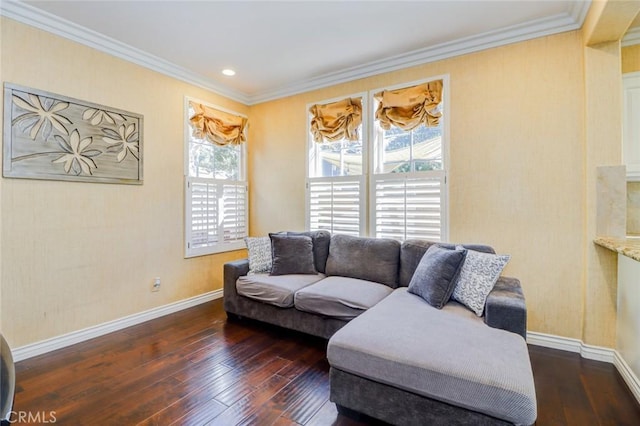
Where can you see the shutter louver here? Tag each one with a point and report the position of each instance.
(335, 205)
(408, 207)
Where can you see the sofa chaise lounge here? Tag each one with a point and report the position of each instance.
(393, 356)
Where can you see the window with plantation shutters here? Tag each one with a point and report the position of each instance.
(216, 198)
(380, 172)
(408, 181)
(336, 190)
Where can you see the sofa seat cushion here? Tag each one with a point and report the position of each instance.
(449, 355)
(275, 290)
(340, 297)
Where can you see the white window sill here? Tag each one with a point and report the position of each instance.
(218, 248)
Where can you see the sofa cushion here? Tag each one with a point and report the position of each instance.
(449, 355)
(436, 274)
(259, 254)
(292, 255)
(274, 290)
(477, 277)
(412, 251)
(340, 297)
(371, 259)
(321, 240)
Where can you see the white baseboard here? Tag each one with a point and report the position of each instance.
(596, 353)
(568, 344)
(58, 342)
(627, 374)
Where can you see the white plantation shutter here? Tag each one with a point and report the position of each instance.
(203, 217)
(234, 219)
(408, 205)
(336, 204)
(216, 214)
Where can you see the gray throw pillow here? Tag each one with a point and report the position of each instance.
(292, 254)
(259, 254)
(412, 251)
(478, 275)
(434, 278)
(321, 240)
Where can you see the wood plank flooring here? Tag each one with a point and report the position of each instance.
(195, 368)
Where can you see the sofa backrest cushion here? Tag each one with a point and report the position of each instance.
(412, 251)
(321, 240)
(372, 259)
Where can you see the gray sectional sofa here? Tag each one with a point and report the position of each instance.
(393, 356)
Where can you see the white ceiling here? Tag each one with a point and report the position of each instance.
(280, 48)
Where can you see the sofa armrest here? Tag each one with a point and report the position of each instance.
(233, 271)
(505, 307)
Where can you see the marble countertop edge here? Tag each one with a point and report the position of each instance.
(629, 247)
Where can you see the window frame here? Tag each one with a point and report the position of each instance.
(312, 155)
(220, 247)
(372, 176)
(369, 176)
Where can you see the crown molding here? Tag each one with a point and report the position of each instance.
(632, 37)
(513, 34)
(38, 18)
(537, 28)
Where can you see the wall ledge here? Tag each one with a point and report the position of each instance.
(62, 341)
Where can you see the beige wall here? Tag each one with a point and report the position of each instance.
(631, 59)
(523, 153)
(604, 27)
(82, 254)
(631, 63)
(603, 148)
(517, 164)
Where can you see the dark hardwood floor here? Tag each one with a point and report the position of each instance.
(195, 368)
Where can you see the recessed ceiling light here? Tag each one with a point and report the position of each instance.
(228, 72)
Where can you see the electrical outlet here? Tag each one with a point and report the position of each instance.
(156, 284)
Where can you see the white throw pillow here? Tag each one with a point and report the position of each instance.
(478, 275)
(259, 254)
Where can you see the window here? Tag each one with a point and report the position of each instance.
(336, 184)
(406, 179)
(215, 181)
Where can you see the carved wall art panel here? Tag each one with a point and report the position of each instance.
(49, 136)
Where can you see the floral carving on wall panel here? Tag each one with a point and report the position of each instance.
(49, 136)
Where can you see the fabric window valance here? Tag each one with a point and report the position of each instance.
(410, 107)
(337, 120)
(218, 127)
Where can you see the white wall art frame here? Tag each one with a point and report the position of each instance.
(54, 137)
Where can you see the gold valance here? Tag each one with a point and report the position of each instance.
(218, 127)
(336, 121)
(410, 107)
